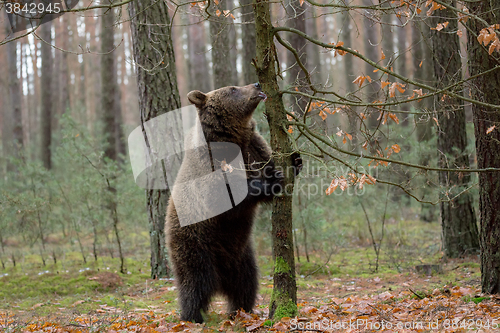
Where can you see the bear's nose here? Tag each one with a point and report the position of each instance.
(257, 85)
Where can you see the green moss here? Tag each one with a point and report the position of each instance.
(268, 323)
(281, 266)
(285, 307)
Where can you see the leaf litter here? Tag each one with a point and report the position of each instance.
(405, 302)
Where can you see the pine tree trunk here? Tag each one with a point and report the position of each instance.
(47, 105)
(372, 52)
(458, 220)
(284, 296)
(158, 93)
(6, 113)
(295, 75)
(422, 72)
(486, 88)
(248, 41)
(64, 92)
(221, 50)
(349, 76)
(109, 111)
(199, 78)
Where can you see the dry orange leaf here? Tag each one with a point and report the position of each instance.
(333, 186)
(322, 115)
(359, 80)
(393, 117)
(490, 129)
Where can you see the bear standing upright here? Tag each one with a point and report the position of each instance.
(216, 254)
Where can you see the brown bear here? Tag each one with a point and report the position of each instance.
(216, 254)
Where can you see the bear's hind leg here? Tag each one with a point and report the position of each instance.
(195, 292)
(242, 286)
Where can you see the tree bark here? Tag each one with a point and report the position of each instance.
(284, 296)
(64, 77)
(486, 88)
(198, 64)
(349, 76)
(422, 72)
(370, 40)
(158, 93)
(221, 50)
(109, 86)
(458, 220)
(248, 41)
(295, 77)
(47, 103)
(110, 112)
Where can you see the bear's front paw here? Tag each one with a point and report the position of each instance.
(297, 162)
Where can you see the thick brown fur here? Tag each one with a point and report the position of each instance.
(216, 255)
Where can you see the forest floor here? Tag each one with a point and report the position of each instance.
(100, 300)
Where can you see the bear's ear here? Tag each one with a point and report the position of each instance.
(197, 97)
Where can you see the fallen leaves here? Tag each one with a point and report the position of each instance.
(368, 306)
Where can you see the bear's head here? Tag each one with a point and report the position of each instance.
(231, 105)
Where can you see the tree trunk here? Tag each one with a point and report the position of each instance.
(109, 86)
(110, 109)
(295, 75)
(248, 41)
(64, 83)
(349, 76)
(221, 50)
(284, 296)
(423, 123)
(47, 105)
(372, 52)
(486, 89)
(458, 220)
(6, 113)
(401, 66)
(91, 68)
(158, 93)
(198, 64)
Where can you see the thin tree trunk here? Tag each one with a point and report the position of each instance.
(47, 103)
(372, 52)
(296, 76)
(424, 123)
(486, 88)
(221, 50)
(284, 296)
(458, 220)
(16, 125)
(158, 93)
(111, 111)
(91, 69)
(198, 66)
(5, 114)
(248, 38)
(345, 36)
(64, 87)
